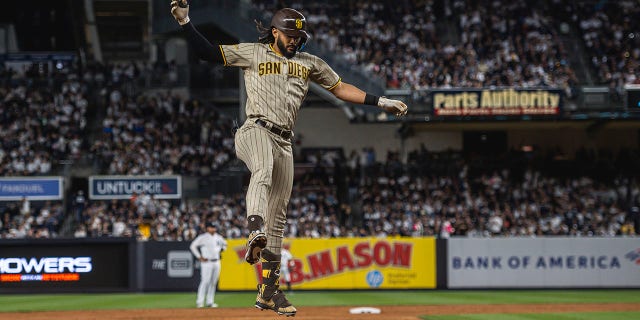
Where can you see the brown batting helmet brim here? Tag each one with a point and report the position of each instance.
(295, 33)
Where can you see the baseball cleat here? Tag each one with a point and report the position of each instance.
(283, 307)
(256, 242)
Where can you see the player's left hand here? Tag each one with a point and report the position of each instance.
(396, 107)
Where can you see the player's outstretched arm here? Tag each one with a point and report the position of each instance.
(203, 48)
(353, 94)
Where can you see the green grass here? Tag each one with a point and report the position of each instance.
(44, 302)
(543, 316)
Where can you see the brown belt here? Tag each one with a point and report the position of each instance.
(275, 129)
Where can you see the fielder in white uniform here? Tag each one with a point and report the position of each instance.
(207, 247)
(285, 260)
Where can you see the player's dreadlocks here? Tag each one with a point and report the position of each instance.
(265, 36)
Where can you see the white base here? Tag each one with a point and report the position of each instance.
(361, 310)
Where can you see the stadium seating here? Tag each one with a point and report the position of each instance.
(43, 121)
(163, 134)
(612, 40)
(494, 43)
(452, 200)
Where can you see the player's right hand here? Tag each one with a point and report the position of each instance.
(180, 11)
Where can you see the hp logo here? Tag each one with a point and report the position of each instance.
(374, 278)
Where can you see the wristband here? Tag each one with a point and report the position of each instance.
(184, 21)
(371, 100)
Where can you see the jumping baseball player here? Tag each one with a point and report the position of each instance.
(207, 247)
(277, 76)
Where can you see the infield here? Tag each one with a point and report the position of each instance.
(431, 305)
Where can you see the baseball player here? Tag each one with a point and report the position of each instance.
(285, 260)
(207, 247)
(277, 76)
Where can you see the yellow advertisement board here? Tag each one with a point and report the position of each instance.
(342, 263)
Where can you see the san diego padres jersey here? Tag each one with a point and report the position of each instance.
(276, 86)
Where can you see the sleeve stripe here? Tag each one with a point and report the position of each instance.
(335, 85)
(224, 59)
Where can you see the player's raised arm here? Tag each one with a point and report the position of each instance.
(203, 48)
(353, 94)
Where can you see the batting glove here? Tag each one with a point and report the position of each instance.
(180, 11)
(396, 107)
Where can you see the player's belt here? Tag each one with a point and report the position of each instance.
(212, 260)
(275, 129)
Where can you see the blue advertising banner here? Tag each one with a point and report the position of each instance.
(497, 102)
(33, 188)
(122, 187)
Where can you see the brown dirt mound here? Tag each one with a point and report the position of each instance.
(316, 313)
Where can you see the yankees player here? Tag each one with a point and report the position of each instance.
(285, 260)
(277, 76)
(207, 247)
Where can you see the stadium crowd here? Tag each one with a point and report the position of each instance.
(42, 120)
(21, 219)
(501, 43)
(43, 113)
(162, 134)
(391, 200)
(612, 38)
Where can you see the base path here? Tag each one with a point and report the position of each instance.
(316, 313)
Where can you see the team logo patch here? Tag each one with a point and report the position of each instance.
(298, 24)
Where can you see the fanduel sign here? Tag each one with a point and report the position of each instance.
(40, 188)
(122, 187)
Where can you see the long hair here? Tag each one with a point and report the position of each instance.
(265, 36)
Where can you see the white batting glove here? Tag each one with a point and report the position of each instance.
(180, 11)
(396, 107)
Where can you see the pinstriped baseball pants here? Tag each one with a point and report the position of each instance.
(269, 157)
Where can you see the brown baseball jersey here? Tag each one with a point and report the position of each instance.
(276, 87)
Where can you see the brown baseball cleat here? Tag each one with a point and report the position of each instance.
(256, 242)
(277, 303)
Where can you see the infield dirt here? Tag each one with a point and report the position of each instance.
(317, 313)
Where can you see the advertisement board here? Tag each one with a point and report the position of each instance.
(496, 102)
(123, 187)
(169, 266)
(342, 263)
(632, 97)
(543, 263)
(33, 188)
(57, 266)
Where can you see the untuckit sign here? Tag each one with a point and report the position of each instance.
(122, 187)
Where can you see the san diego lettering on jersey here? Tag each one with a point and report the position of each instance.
(275, 67)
